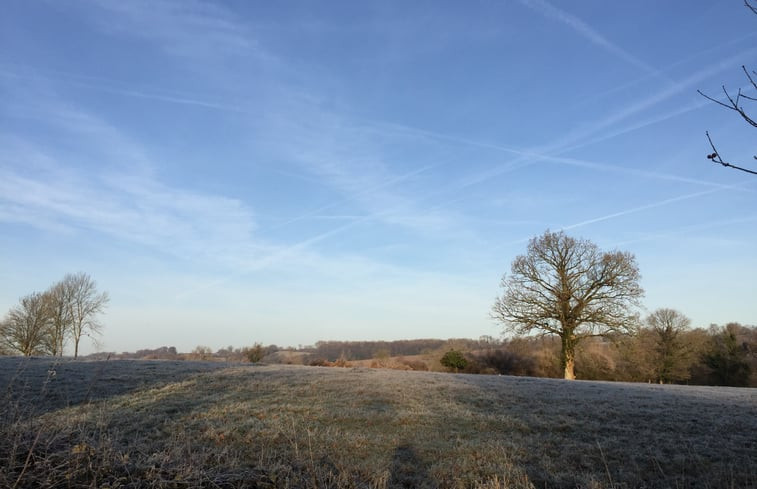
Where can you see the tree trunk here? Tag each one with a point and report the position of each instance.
(568, 355)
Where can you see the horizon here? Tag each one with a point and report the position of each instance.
(240, 173)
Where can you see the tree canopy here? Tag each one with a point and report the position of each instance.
(570, 288)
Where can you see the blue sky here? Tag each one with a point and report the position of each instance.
(288, 172)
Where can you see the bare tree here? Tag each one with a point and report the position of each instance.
(736, 104)
(26, 326)
(84, 304)
(569, 288)
(58, 299)
(670, 355)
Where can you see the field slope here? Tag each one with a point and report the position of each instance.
(186, 424)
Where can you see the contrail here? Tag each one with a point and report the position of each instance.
(586, 31)
(645, 207)
(101, 84)
(688, 229)
(579, 139)
(368, 191)
(640, 208)
(681, 61)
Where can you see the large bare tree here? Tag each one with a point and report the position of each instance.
(84, 304)
(27, 325)
(569, 288)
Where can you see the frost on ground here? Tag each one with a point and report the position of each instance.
(180, 424)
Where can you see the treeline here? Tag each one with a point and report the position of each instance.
(365, 350)
(719, 355)
(254, 353)
(664, 351)
(43, 323)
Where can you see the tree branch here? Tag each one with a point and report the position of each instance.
(750, 6)
(715, 157)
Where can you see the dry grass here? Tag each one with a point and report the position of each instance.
(177, 424)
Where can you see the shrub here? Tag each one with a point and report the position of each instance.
(255, 353)
(454, 360)
(507, 362)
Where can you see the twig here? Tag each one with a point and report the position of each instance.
(604, 461)
(734, 103)
(715, 157)
(750, 6)
(751, 80)
(28, 458)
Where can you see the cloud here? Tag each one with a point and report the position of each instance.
(592, 131)
(116, 87)
(356, 195)
(131, 208)
(642, 208)
(50, 187)
(694, 228)
(189, 28)
(356, 159)
(587, 32)
(645, 207)
(91, 177)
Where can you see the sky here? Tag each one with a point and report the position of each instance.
(289, 172)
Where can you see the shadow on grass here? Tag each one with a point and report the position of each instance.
(47, 384)
(610, 434)
(408, 471)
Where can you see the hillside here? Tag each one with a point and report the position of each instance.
(194, 424)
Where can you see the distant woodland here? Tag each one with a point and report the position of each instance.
(717, 355)
(571, 311)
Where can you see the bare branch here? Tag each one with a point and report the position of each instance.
(734, 103)
(715, 157)
(750, 6)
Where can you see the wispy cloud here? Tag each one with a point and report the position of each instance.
(645, 207)
(682, 61)
(188, 28)
(50, 185)
(601, 129)
(589, 33)
(632, 210)
(694, 228)
(123, 199)
(131, 208)
(355, 159)
(354, 194)
(116, 87)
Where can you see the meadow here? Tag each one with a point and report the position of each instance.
(181, 424)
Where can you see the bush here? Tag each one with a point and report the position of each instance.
(255, 353)
(507, 362)
(454, 360)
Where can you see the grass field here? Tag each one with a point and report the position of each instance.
(194, 424)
